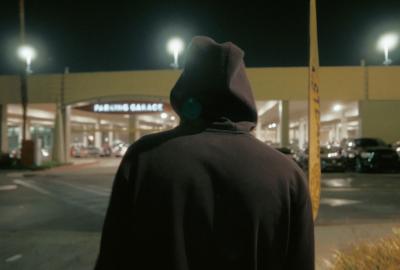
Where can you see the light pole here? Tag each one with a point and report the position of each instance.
(175, 47)
(27, 54)
(386, 43)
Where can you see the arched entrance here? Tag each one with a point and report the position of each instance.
(106, 126)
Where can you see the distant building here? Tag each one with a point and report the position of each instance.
(106, 108)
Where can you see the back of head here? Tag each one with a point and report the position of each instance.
(213, 84)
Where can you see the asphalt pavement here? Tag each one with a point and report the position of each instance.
(52, 219)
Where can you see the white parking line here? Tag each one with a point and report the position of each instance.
(97, 191)
(34, 187)
(102, 189)
(8, 187)
(31, 186)
(340, 189)
(338, 202)
(13, 258)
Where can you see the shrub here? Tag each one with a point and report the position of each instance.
(5, 161)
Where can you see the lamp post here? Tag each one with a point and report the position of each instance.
(386, 43)
(27, 54)
(175, 47)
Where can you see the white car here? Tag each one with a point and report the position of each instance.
(120, 149)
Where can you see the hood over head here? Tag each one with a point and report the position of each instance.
(213, 84)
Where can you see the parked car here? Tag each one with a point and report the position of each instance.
(370, 154)
(93, 151)
(287, 152)
(332, 159)
(78, 151)
(120, 149)
(105, 151)
(396, 147)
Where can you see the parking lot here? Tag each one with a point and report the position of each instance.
(61, 211)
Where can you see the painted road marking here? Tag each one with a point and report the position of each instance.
(340, 189)
(15, 174)
(103, 189)
(87, 189)
(338, 202)
(14, 258)
(8, 187)
(31, 186)
(34, 187)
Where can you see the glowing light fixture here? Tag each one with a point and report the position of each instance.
(27, 54)
(387, 42)
(175, 47)
(337, 107)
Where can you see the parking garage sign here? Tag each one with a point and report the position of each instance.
(132, 107)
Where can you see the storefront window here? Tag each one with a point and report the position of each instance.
(45, 134)
(14, 137)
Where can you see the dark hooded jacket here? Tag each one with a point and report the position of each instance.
(208, 195)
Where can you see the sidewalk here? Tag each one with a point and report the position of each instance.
(330, 238)
(73, 165)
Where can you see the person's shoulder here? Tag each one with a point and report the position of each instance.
(150, 141)
(279, 161)
(270, 151)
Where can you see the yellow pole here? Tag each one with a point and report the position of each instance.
(314, 162)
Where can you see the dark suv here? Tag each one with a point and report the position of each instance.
(370, 154)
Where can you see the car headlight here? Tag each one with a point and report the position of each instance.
(367, 154)
(352, 155)
(332, 155)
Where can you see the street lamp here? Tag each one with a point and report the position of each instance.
(27, 54)
(175, 47)
(386, 43)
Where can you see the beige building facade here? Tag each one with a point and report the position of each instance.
(359, 101)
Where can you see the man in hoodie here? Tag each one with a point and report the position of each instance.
(208, 195)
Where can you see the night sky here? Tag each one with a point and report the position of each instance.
(131, 35)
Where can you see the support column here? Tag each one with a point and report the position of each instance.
(284, 123)
(28, 134)
(111, 135)
(85, 135)
(302, 133)
(67, 132)
(58, 145)
(97, 135)
(332, 134)
(3, 129)
(116, 135)
(338, 130)
(343, 122)
(133, 129)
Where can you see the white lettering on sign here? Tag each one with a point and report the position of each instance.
(128, 107)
